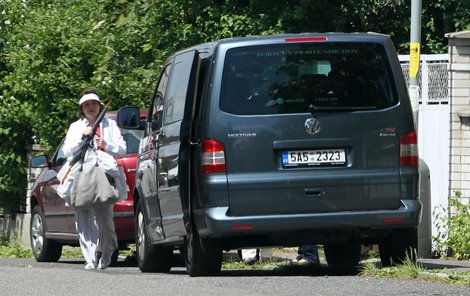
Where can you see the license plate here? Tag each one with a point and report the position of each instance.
(321, 157)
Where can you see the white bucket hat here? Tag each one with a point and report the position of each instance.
(89, 97)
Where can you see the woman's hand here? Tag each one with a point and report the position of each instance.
(101, 143)
(87, 132)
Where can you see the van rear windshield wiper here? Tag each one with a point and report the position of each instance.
(312, 107)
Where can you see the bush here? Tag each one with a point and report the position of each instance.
(453, 238)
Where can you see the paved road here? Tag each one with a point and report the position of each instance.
(68, 277)
(463, 266)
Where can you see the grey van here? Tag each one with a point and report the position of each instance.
(277, 141)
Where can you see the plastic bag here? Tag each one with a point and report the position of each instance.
(108, 163)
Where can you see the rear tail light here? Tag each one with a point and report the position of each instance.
(409, 149)
(213, 157)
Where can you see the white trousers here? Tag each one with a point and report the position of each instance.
(96, 232)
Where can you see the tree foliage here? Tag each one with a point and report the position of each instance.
(15, 134)
(51, 49)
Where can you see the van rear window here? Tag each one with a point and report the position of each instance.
(296, 78)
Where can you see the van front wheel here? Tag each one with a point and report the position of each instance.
(203, 257)
(150, 258)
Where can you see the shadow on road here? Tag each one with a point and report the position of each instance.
(315, 271)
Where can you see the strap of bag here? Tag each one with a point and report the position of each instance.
(83, 159)
(81, 163)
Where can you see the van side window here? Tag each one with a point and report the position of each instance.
(177, 91)
(157, 108)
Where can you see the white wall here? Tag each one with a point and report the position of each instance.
(433, 145)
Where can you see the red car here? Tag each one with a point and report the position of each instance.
(53, 222)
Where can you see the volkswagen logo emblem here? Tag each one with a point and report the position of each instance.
(312, 126)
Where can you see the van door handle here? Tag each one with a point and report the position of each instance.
(315, 192)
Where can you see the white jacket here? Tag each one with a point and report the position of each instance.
(115, 146)
(109, 131)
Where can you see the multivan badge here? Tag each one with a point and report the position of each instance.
(312, 126)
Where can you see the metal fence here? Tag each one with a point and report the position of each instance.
(433, 77)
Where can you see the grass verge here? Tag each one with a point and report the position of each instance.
(411, 270)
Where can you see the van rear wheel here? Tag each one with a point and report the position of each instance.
(343, 256)
(396, 248)
(150, 258)
(203, 257)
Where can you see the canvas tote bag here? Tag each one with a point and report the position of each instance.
(93, 188)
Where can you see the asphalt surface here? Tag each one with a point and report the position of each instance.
(68, 277)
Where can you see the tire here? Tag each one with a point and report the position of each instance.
(203, 257)
(343, 256)
(396, 248)
(150, 258)
(44, 249)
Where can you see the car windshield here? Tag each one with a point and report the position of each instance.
(132, 138)
(306, 77)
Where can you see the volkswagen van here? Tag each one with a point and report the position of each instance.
(277, 141)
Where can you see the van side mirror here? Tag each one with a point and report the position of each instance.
(129, 117)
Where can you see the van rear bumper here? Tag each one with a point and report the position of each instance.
(215, 222)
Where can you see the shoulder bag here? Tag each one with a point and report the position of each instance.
(92, 187)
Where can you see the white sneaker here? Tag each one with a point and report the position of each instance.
(105, 262)
(90, 266)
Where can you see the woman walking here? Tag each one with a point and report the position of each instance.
(95, 225)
